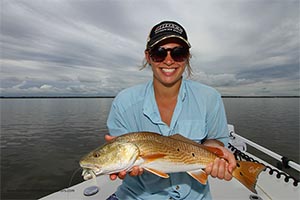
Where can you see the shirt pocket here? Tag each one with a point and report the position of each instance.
(192, 129)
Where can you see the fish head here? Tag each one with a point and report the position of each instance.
(110, 158)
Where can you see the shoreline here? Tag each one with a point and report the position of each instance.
(112, 96)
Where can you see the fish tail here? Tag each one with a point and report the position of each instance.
(247, 173)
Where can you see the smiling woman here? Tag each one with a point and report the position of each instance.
(170, 104)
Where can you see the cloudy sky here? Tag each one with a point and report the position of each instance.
(95, 47)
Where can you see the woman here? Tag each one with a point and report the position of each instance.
(170, 104)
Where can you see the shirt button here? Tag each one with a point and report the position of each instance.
(177, 187)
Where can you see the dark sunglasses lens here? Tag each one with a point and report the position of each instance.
(179, 54)
(158, 54)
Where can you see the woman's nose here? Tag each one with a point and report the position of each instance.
(168, 60)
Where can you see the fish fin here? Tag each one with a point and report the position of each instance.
(213, 150)
(152, 157)
(183, 139)
(199, 175)
(157, 172)
(247, 173)
(177, 136)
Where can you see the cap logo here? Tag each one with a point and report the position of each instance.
(165, 30)
(168, 27)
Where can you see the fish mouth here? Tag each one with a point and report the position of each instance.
(90, 171)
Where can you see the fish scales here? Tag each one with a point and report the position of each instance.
(175, 150)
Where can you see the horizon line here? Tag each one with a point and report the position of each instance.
(113, 96)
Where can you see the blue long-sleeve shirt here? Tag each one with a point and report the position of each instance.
(199, 115)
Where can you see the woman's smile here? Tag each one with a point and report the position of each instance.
(168, 71)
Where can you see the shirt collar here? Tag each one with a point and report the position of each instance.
(182, 90)
(150, 108)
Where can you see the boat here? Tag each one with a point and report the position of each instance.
(273, 183)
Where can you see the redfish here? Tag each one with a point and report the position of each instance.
(161, 155)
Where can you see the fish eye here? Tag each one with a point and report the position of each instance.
(96, 154)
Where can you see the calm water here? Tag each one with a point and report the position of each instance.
(42, 140)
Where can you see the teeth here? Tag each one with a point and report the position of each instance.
(168, 70)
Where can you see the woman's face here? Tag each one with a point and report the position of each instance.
(167, 72)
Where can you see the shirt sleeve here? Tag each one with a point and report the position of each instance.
(116, 122)
(217, 127)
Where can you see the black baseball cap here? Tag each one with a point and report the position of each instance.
(165, 30)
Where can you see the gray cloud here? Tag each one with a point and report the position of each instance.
(74, 47)
(274, 72)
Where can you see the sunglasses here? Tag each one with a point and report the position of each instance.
(178, 54)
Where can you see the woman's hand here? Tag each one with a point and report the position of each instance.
(135, 171)
(222, 168)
